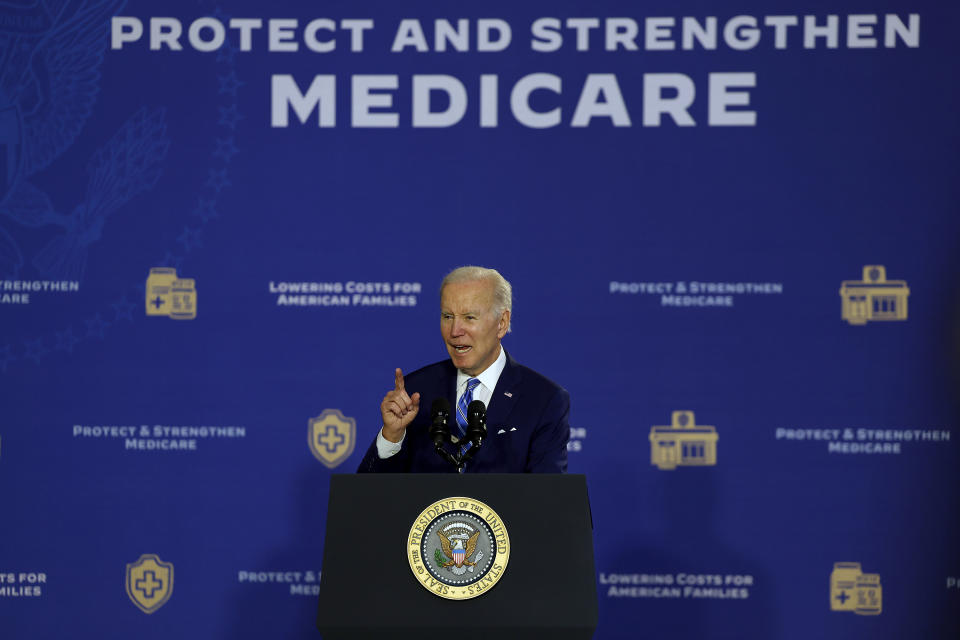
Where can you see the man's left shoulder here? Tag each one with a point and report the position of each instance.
(534, 380)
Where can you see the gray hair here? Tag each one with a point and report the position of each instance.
(502, 291)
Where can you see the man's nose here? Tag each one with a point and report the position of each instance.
(456, 327)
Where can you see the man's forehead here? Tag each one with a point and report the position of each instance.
(477, 293)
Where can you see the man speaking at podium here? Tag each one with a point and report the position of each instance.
(526, 414)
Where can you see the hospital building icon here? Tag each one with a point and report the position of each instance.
(683, 444)
(873, 298)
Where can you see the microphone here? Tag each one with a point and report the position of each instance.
(476, 430)
(440, 428)
(476, 423)
(439, 421)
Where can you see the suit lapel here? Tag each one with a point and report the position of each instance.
(448, 384)
(505, 394)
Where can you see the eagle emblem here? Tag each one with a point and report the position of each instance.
(458, 542)
(50, 77)
(458, 548)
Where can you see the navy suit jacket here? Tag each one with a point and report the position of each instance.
(527, 428)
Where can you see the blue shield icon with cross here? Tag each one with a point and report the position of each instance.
(149, 582)
(332, 437)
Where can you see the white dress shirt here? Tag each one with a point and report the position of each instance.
(483, 392)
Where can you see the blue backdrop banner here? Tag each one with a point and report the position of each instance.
(732, 231)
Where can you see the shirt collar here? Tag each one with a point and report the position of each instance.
(488, 378)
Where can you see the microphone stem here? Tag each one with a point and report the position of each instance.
(446, 455)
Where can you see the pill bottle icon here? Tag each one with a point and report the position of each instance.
(843, 586)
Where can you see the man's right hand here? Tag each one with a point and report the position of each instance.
(398, 409)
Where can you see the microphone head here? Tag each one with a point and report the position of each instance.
(476, 422)
(476, 411)
(440, 406)
(439, 419)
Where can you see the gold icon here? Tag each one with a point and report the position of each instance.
(458, 548)
(873, 298)
(332, 437)
(149, 582)
(853, 590)
(683, 444)
(168, 295)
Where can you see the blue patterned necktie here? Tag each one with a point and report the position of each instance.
(462, 405)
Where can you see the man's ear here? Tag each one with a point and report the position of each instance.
(503, 324)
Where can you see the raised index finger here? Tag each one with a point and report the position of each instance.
(398, 382)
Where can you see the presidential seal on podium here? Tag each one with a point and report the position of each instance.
(458, 548)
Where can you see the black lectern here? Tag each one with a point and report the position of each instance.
(368, 589)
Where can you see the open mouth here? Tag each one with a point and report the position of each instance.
(460, 348)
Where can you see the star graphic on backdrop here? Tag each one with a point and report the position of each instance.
(226, 149)
(169, 260)
(190, 239)
(229, 116)
(34, 349)
(229, 83)
(96, 326)
(206, 209)
(217, 180)
(221, 15)
(124, 310)
(227, 52)
(66, 340)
